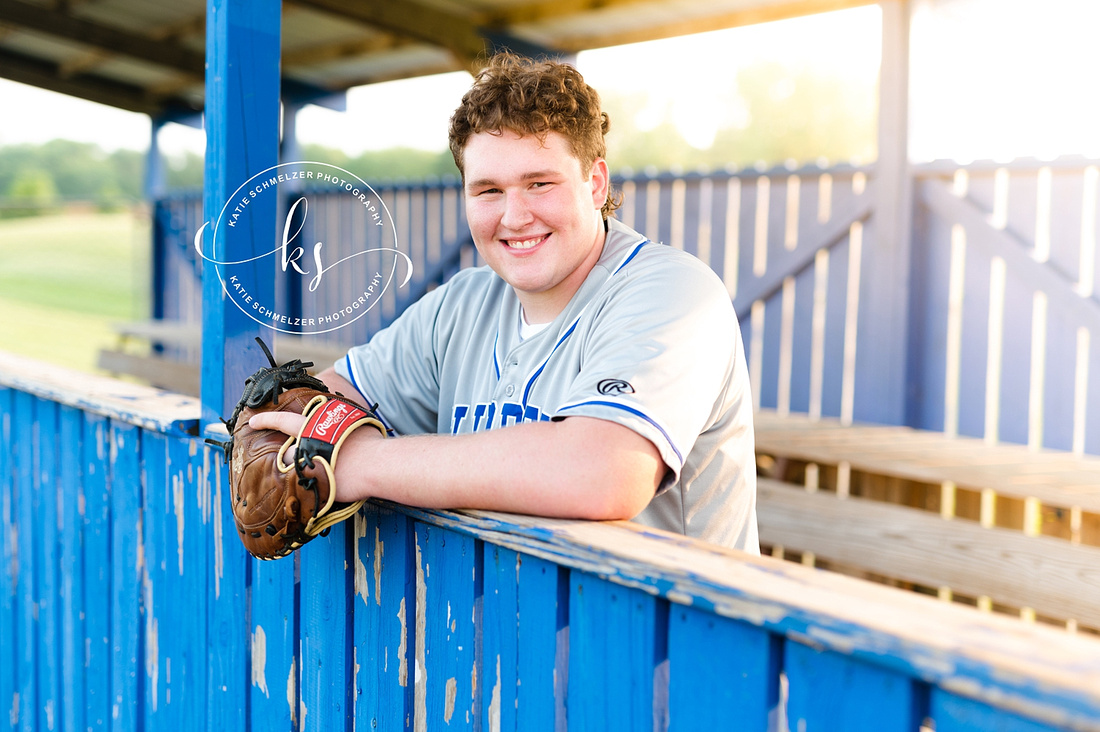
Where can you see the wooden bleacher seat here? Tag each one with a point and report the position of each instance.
(1000, 525)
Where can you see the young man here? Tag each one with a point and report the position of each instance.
(585, 373)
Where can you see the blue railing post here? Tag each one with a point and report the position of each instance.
(242, 139)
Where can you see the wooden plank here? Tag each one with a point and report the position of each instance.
(954, 713)
(9, 534)
(1057, 578)
(159, 597)
(1037, 668)
(187, 559)
(25, 699)
(161, 332)
(448, 579)
(159, 372)
(325, 674)
(821, 698)
(96, 464)
(133, 403)
(45, 563)
(227, 649)
(612, 631)
(1055, 478)
(384, 609)
(126, 577)
(500, 635)
(542, 645)
(70, 527)
(272, 642)
(730, 666)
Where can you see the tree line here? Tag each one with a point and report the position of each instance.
(768, 114)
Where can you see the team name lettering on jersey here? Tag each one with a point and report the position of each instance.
(488, 416)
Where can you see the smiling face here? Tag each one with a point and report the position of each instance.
(535, 215)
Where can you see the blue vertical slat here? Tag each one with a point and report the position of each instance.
(189, 574)
(500, 630)
(692, 205)
(719, 213)
(242, 139)
(384, 620)
(159, 597)
(1066, 204)
(953, 713)
(1060, 379)
(974, 344)
(127, 668)
(8, 549)
(325, 670)
(822, 697)
(96, 462)
(928, 321)
(26, 629)
(273, 631)
(1092, 414)
(1023, 189)
(46, 584)
(227, 622)
(448, 572)
(71, 610)
(768, 388)
(611, 655)
(1016, 360)
(731, 665)
(746, 238)
(542, 645)
(802, 341)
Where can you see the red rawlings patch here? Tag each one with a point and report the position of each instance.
(331, 421)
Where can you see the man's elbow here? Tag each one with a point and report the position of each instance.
(623, 497)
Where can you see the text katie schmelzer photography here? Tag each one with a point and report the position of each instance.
(302, 254)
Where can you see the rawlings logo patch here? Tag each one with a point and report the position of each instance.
(331, 420)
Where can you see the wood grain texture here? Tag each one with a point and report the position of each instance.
(132, 403)
(1052, 576)
(1055, 478)
(1051, 674)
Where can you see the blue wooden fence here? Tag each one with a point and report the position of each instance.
(128, 603)
(1002, 307)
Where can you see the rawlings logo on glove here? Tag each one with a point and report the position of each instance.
(279, 506)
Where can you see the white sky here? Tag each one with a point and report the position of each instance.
(990, 79)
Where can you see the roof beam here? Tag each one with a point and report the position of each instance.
(110, 40)
(93, 88)
(707, 22)
(458, 34)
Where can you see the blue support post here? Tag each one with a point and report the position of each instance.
(242, 139)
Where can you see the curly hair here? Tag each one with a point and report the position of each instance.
(531, 97)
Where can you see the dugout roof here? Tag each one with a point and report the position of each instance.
(149, 55)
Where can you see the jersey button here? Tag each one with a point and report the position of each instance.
(509, 390)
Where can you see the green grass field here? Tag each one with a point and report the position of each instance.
(64, 279)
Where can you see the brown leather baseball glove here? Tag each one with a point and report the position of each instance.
(279, 506)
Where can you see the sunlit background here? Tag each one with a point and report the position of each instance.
(990, 79)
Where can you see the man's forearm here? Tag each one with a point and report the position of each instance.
(577, 468)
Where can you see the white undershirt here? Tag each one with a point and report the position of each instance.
(526, 330)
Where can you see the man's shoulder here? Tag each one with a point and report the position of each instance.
(470, 282)
(630, 257)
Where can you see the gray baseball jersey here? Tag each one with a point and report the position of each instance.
(649, 341)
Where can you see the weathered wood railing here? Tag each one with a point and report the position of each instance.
(126, 602)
